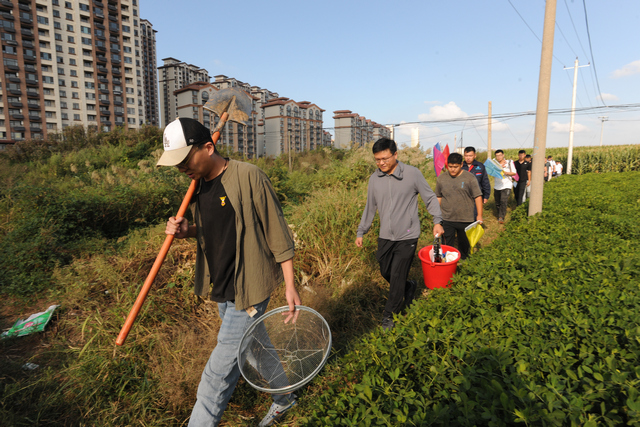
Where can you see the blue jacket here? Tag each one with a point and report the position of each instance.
(478, 170)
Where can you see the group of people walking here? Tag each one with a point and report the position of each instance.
(245, 248)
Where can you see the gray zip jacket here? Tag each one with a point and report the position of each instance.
(395, 197)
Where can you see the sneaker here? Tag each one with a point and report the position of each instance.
(409, 292)
(275, 413)
(387, 323)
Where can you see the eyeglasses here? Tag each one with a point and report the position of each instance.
(384, 160)
(183, 164)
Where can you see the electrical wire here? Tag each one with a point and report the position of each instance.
(593, 60)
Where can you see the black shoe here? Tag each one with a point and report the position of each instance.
(387, 323)
(409, 292)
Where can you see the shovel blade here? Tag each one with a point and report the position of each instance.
(234, 101)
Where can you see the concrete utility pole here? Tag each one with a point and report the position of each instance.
(542, 109)
(489, 134)
(604, 119)
(573, 113)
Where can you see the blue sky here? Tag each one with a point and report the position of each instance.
(413, 62)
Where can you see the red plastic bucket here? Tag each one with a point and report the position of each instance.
(437, 275)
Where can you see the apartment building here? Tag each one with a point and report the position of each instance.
(266, 134)
(148, 63)
(175, 75)
(351, 128)
(69, 63)
(291, 126)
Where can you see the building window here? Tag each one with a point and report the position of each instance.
(43, 20)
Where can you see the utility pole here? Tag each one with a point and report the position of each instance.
(542, 109)
(573, 113)
(604, 119)
(489, 134)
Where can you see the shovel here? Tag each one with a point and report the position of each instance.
(228, 104)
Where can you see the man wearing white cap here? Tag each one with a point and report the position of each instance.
(244, 251)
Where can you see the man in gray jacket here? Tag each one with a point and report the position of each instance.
(393, 193)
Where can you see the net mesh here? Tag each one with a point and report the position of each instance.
(279, 357)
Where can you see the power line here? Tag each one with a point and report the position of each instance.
(533, 32)
(595, 72)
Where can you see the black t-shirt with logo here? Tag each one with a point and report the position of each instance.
(522, 169)
(219, 225)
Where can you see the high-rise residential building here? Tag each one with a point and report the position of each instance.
(288, 125)
(174, 75)
(74, 62)
(351, 128)
(147, 60)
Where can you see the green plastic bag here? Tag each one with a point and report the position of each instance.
(34, 323)
(474, 232)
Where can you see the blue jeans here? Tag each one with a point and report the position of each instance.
(221, 374)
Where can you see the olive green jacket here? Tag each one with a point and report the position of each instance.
(264, 239)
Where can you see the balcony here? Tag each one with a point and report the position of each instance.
(14, 79)
(23, 6)
(11, 42)
(35, 118)
(105, 112)
(17, 116)
(14, 91)
(26, 21)
(6, 4)
(26, 32)
(115, 61)
(101, 59)
(18, 128)
(114, 39)
(104, 102)
(33, 106)
(103, 79)
(32, 82)
(30, 58)
(102, 69)
(7, 16)
(118, 103)
(33, 94)
(99, 25)
(101, 48)
(28, 43)
(105, 91)
(16, 104)
(116, 71)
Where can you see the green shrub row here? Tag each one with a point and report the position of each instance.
(540, 328)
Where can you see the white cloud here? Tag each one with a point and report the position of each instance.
(443, 112)
(564, 127)
(607, 97)
(628, 70)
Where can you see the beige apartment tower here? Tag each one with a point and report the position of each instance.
(75, 62)
(174, 75)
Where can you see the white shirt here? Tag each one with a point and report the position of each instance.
(506, 182)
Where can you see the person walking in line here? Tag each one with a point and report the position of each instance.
(393, 192)
(458, 193)
(502, 187)
(523, 170)
(244, 251)
(527, 194)
(478, 170)
(559, 168)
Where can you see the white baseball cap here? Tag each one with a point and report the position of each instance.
(178, 138)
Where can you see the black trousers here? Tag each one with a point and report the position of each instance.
(519, 191)
(395, 259)
(450, 231)
(502, 198)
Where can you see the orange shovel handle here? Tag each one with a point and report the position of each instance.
(154, 270)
